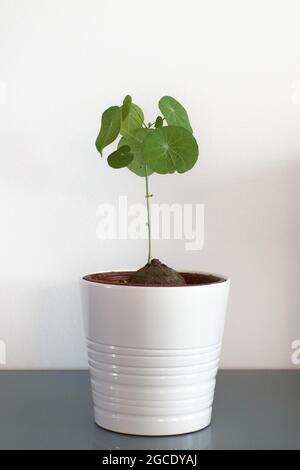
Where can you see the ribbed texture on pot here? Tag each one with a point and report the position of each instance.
(153, 388)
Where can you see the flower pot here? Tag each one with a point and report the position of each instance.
(153, 351)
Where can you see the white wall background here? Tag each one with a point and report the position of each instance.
(235, 66)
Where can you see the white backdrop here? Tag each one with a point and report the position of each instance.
(235, 65)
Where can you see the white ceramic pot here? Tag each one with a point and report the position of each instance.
(153, 353)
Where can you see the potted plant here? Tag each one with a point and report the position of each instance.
(154, 335)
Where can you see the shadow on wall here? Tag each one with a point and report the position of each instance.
(43, 326)
(252, 233)
(293, 250)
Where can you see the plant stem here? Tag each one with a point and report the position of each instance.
(148, 216)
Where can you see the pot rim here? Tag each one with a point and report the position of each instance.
(223, 280)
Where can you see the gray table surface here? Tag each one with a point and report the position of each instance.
(53, 410)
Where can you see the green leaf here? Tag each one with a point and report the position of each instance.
(126, 106)
(170, 149)
(135, 142)
(134, 120)
(174, 113)
(120, 158)
(110, 127)
(159, 122)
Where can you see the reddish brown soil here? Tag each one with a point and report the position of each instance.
(125, 278)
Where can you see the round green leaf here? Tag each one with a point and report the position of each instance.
(174, 113)
(134, 120)
(120, 158)
(126, 106)
(135, 141)
(170, 149)
(110, 127)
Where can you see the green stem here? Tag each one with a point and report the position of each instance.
(148, 216)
